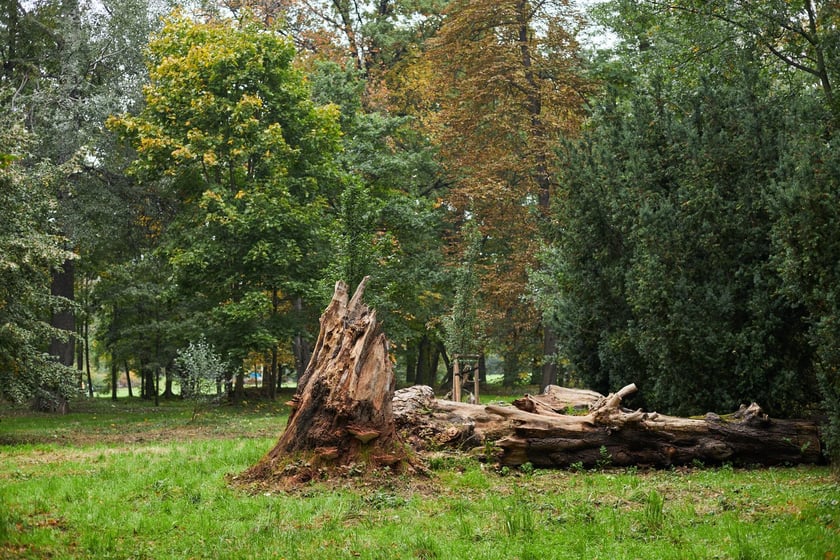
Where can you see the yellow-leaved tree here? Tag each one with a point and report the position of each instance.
(230, 130)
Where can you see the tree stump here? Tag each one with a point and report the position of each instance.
(341, 419)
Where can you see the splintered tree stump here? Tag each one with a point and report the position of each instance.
(536, 430)
(341, 419)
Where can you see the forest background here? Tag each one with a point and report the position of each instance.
(659, 204)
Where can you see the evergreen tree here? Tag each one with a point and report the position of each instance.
(665, 260)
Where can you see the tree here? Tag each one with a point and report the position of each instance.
(806, 251)
(29, 248)
(67, 64)
(200, 369)
(464, 333)
(798, 46)
(665, 260)
(341, 419)
(229, 128)
(505, 88)
(388, 224)
(801, 36)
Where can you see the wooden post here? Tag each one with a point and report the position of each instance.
(476, 381)
(456, 380)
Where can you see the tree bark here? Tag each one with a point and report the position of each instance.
(341, 419)
(168, 393)
(422, 373)
(63, 284)
(410, 365)
(114, 374)
(128, 378)
(300, 345)
(238, 394)
(535, 430)
(86, 343)
(549, 367)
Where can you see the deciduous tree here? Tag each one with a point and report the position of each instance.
(506, 87)
(29, 249)
(229, 126)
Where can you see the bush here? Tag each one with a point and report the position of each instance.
(200, 368)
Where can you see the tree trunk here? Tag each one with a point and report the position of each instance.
(562, 400)
(423, 362)
(128, 378)
(270, 384)
(149, 392)
(168, 393)
(447, 377)
(143, 382)
(410, 366)
(63, 283)
(80, 361)
(510, 368)
(434, 363)
(301, 348)
(341, 418)
(270, 380)
(114, 375)
(535, 431)
(549, 366)
(86, 342)
(238, 394)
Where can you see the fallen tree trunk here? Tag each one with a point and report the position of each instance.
(341, 418)
(429, 423)
(533, 431)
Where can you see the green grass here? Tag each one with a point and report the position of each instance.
(138, 482)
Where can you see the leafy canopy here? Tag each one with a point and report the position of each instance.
(230, 129)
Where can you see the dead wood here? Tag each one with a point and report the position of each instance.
(341, 418)
(535, 431)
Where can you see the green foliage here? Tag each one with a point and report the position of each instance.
(229, 129)
(141, 319)
(519, 517)
(387, 225)
(665, 259)
(806, 253)
(604, 458)
(200, 369)
(462, 327)
(654, 512)
(29, 250)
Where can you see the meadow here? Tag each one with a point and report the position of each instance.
(129, 480)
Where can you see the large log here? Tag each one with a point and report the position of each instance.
(341, 418)
(533, 430)
(429, 423)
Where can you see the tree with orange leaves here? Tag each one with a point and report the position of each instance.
(504, 88)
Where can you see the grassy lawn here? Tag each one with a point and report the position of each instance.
(129, 480)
